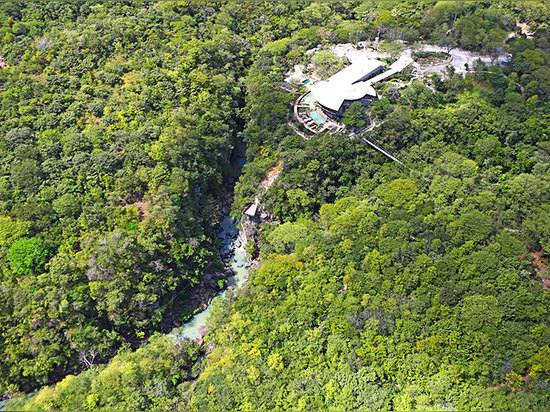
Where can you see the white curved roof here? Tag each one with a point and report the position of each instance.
(333, 95)
(346, 85)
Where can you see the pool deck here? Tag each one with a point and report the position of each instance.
(307, 113)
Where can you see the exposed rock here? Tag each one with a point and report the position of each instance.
(209, 348)
(250, 227)
(226, 255)
(203, 330)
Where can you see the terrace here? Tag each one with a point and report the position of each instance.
(310, 115)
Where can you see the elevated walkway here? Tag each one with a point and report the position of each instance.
(395, 68)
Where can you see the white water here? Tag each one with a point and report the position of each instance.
(237, 262)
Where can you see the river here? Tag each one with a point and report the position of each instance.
(231, 242)
(236, 260)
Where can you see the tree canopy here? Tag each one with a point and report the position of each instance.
(377, 286)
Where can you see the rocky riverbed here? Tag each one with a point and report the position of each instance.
(232, 251)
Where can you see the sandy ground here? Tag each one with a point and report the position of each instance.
(542, 268)
(459, 57)
(355, 55)
(270, 176)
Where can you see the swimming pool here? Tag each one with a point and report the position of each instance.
(316, 118)
(307, 99)
(306, 81)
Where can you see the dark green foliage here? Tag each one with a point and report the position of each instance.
(382, 286)
(355, 115)
(113, 145)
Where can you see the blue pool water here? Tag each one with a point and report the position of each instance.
(306, 81)
(315, 116)
(307, 99)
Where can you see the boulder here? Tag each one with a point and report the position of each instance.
(203, 330)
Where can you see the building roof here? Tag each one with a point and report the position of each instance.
(396, 67)
(251, 211)
(346, 84)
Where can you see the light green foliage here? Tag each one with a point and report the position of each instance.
(527, 189)
(278, 273)
(540, 364)
(382, 287)
(285, 237)
(149, 378)
(327, 63)
(473, 225)
(399, 192)
(27, 256)
(316, 13)
(393, 329)
(385, 19)
(457, 166)
(480, 312)
(11, 230)
(67, 205)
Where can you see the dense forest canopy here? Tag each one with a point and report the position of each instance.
(381, 286)
(115, 134)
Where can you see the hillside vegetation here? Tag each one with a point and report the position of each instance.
(382, 286)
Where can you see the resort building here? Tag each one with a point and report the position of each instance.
(351, 84)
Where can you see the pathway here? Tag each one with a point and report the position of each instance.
(395, 68)
(296, 130)
(459, 59)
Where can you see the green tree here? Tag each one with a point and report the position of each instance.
(480, 312)
(399, 192)
(355, 115)
(11, 230)
(327, 63)
(27, 256)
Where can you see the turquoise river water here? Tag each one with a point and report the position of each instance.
(232, 242)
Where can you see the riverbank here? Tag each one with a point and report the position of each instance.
(232, 253)
(235, 255)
